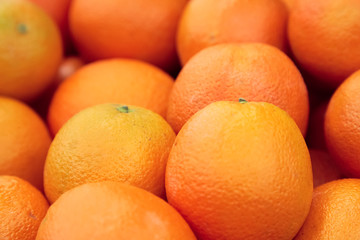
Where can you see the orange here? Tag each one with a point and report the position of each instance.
(109, 142)
(30, 49)
(342, 129)
(325, 38)
(206, 23)
(115, 80)
(240, 171)
(139, 29)
(334, 213)
(324, 169)
(22, 207)
(315, 136)
(58, 10)
(112, 210)
(256, 72)
(24, 142)
(68, 66)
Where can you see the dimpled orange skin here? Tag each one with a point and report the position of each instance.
(103, 143)
(138, 29)
(112, 211)
(334, 213)
(324, 169)
(22, 207)
(206, 23)
(30, 49)
(342, 129)
(240, 171)
(115, 80)
(24, 142)
(256, 72)
(325, 38)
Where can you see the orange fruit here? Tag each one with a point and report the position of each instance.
(30, 49)
(116, 80)
(334, 213)
(22, 207)
(240, 171)
(315, 136)
(112, 210)
(256, 72)
(58, 10)
(325, 46)
(109, 142)
(68, 66)
(206, 23)
(342, 129)
(138, 29)
(24, 142)
(324, 169)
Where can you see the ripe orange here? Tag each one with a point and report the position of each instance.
(325, 38)
(139, 29)
(111, 211)
(30, 49)
(256, 72)
(315, 136)
(240, 171)
(109, 142)
(116, 80)
(334, 213)
(22, 207)
(342, 129)
(68, 66)
(206, 23)
(58, 10)
(24, 142)
(324, 169)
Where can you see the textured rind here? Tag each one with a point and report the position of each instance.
(101, 143)
(112, 211)
(24, 142)
(22, 207)
(240, 171)
(205, 23)
(227, 72)
(325, 39)
(334, 213)
(342, 126)
(125, 81)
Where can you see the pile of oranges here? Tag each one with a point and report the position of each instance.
(179, 119)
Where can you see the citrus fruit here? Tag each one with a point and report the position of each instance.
(58, 10)
(334, 213)
(24, 142)
(324, 169)
(342, 129)
(112, 210)
(325, 38)
(238, 168)
(256, 72)
(22, 207)
(138, 29)
(30, 49)
(115, 80)
(109, 142)
(206, 23)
